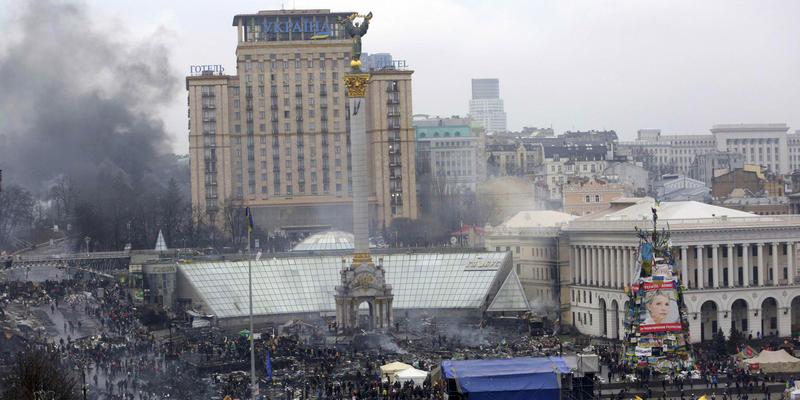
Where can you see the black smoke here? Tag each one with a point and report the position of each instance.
(80, 127)
(80, 101)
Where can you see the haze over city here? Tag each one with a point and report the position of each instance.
(408, 200)
(680, 66)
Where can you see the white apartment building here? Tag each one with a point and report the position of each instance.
(486, 106)
(768, 145)
(562, 162)
(451, 152)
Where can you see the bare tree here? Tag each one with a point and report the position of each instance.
(233, 214)
(63, 195)
(39, 374)
(16, 213)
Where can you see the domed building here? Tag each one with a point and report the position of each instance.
(329, 240)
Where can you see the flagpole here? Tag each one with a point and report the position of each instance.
(253, 387)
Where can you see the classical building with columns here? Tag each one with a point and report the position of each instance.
(741, 267)
(540, 253)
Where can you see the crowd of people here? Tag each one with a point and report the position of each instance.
(93, 324)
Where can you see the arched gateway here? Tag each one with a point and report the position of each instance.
(363, 281)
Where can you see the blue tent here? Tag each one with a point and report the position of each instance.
(507, 379)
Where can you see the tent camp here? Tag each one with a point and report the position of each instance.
(388, 370)
(506, 379)
(411, 374)
(775, 361)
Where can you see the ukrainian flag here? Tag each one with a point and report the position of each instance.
(249, 215)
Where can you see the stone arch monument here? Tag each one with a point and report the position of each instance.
(363, 281)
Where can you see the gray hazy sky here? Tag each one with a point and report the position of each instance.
(676, 65)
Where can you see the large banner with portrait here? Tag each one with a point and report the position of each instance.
(659, 311)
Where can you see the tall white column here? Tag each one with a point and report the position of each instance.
(593, 266)
(700, 268)
(784, 321)
(761, 266)
(612, 264)
(790, 261)
(715, 265)
(731, 254)
(585, 262)
(609, 267)
(575, 265)
(603, 281)
(775, 276)
(684, 267)
(626, 275)
(746, 263)
(617, 267)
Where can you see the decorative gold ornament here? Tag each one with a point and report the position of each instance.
(364, 280)
(356, 84)
(360, 258)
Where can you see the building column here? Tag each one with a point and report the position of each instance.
(629, 262)
(700, 269)
(626, 280)
(731, 253)
(585, 261)
(593, 266)
(776, 278)
(761, 267)
(694, 328)
(715, 265)
(602, 257)
(790, 261)
(754, 321)
(618, 270)
(614, 267)
(784, 321)
(684, 267)
(609, 267)
(575, 265)
(746, 263)
(724, 319)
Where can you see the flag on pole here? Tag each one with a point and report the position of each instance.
(249, 216)
(268, 367)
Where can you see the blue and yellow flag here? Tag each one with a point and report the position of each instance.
(249, 215)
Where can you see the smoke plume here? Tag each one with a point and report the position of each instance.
(79, 101)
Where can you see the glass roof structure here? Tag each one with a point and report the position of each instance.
(304, 284)
(511, 296)
(330, 240)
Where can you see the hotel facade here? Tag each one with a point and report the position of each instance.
(275, 136)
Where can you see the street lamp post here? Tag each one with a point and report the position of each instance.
(253, 385)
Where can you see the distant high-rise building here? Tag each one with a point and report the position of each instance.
(376, 61)
(485, 89)
(486, 106)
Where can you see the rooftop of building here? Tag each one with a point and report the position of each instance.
(668, 210)
(537, 219)
(777, 127)
(278, 13)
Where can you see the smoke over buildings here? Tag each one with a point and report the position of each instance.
(80, 101)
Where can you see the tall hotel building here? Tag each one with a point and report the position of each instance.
(276, 136)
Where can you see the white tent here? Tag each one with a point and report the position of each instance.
(775, 361)
(392, 368)
(411, 374)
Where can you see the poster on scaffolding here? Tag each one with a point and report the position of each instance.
(660, 312)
